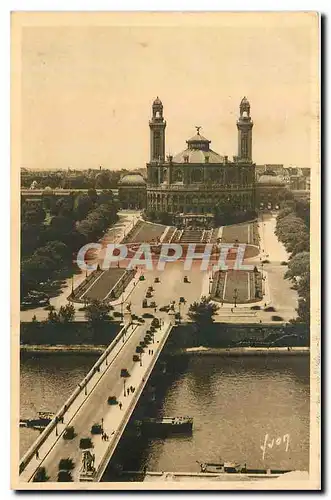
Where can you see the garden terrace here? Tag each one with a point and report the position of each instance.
(115, 279)
(145, 232)
(246, 286)
(87, 283)
(241, 233)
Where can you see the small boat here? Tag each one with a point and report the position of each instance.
(39, 423)
(166, 425)
(235, 468)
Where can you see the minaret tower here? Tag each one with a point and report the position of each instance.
(157, 125)
(244, 126)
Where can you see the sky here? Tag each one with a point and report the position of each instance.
(87, 86)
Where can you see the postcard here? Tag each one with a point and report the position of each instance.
(165, 250)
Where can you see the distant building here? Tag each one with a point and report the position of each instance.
(132, 191)
(269, 168)
(268, 190)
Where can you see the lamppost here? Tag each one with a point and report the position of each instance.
(124, 382)
(179, 309)
(235, 296)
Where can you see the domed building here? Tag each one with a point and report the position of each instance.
(132, 191)
(190, 183)
(269, 188)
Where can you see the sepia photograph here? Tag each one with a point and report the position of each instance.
(165, 242)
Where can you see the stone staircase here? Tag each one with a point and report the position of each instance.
(176, 236)
(168, 235)
(207, 236)
(214, 235)
(191, 236)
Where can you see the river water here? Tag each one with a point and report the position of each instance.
(235, 403)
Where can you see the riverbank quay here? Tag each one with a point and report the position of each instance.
(152, 476)
(63, 349)
(243, 351)
(200, 351)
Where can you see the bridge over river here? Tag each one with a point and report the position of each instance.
(89, 405)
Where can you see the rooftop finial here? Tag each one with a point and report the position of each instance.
(198, 129)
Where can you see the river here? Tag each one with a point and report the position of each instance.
(235, 403)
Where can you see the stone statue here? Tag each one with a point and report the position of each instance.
(128, 307)
(88, 461)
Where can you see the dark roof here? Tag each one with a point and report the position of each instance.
(198, 138)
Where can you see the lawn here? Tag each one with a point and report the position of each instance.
(242, 233)
(144, 232)
(234, 282)
(104, 284)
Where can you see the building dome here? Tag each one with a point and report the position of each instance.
(198, 151)
(132, 180)
(271, 180)
(198, 156)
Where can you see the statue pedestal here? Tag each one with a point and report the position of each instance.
(127, 318)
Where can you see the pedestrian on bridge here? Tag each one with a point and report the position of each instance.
(120, 405)
(37, 455)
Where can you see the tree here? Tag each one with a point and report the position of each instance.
(52, 315)
(298, 266)
(202, 312)
(303, 309)
(64, 206)
(302, 245)
(64, 476)
(93, 195)
(56, 251)
(66, 464)
(292, 229)
(97, 311)
(83, 204)
(66, 313)
(102, 181)
(36, 269)
(40, 476)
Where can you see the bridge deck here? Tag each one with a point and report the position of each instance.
(93, 407)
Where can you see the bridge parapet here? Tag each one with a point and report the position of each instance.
(145, 374)
(62, 411)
